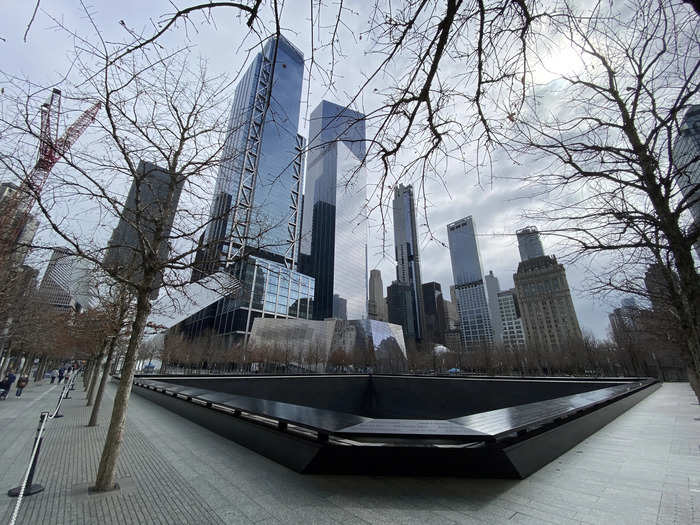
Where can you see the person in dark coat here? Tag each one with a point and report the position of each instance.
(6, 384)
(21, 383)
(61, 372)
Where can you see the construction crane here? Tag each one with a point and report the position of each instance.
(17, 207)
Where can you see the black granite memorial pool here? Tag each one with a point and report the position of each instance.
(400, 424)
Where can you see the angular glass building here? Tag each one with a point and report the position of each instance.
(334, 225)
(332, 345)
(407, 255)
(472, 306)
(268, 289)
(256, 207)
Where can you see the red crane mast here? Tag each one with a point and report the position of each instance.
(15, 212)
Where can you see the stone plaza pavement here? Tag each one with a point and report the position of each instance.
(644, 467)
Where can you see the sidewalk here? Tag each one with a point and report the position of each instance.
(644, 467)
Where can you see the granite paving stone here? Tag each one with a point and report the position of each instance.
(644, 467)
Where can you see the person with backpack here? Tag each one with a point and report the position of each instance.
(21, 383)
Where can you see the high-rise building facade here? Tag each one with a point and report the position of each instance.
(492, 289)
(407, 253)
(434, 307)
(686, 159)
(255, 219)
(27, 226)
(68, 282)
(657, 281)
(334, 225)
(256, 207)
(55, 286)
(511, 320)
(400, 312)
(376, 306)
(147, 215)
(545, 303)
(472, 305)
(529, 243)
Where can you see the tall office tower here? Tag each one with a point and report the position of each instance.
(492, 289)
(24, 240)
(686, 158)
(407, 256)
(56, 284)
(513, 332)
(472, 305)
(545, 303)
(376, 306)
(529, 243)
(334, 226)
(256, 207)
(82, 288)
(452, 334)
(400, 311)
(148, 214)
(435, 318)
(657, 281)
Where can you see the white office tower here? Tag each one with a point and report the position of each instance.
(67, 282)
(512, 323)
(376, 308)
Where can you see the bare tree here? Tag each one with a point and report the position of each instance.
(158, 109)
(606, 133)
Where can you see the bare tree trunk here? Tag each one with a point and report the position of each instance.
(94, 373)
(27, 367)
(87, 375)
(103, 383)
(117, 425)
(41, 369)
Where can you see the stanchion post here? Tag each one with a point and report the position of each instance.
(56, 414)
(30, 488)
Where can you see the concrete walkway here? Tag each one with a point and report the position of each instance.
(642, 468)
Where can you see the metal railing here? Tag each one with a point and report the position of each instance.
(27, 487)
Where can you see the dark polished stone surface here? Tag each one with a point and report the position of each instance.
(511, 441)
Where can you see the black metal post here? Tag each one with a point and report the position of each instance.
(58, 405)
(29, 487)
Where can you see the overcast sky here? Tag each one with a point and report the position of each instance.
(496, 204)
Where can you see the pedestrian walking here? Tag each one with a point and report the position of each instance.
(61, 372)
(6, 384)
(21, 383)
(54, 375)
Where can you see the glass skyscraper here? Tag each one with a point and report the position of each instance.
(472, 306)
(334, 226)
(407, 256)
(529, 243)
(686, 160)
(256, 207)
(255, 217)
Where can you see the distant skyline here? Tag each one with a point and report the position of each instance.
(497, 204)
